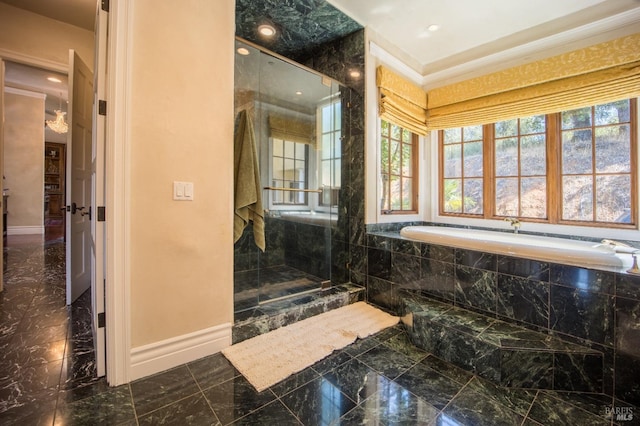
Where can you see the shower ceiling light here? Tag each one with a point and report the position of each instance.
(243, 51)
(267, 30)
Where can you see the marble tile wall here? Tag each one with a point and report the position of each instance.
(337, 59)
(597, 309)
(307, 247)
(302, 25)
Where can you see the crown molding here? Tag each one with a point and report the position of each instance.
(23, 92)
(596, 32)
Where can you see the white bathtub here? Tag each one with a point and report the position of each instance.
(547, 249)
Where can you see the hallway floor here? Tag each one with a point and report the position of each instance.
(47, 369)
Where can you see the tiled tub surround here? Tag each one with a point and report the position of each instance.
(598, 310)
(507, 354)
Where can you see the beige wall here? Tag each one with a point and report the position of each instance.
(181, 130)
(35, 36)
(24, 158)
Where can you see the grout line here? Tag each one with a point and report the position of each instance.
(202, 393)
(526, 416)
(133, 404)
(464, 386)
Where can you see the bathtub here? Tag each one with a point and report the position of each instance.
(547, 249)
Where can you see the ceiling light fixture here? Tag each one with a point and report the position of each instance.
(433, 27)
(243, 51)
(267, 30)
(58, 125)
(54, 79)
(355, 74)
(299, 92)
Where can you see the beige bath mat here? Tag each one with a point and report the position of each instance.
(267, 359)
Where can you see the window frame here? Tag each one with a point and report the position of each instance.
(463, 177)
(554, 177)
(415, 178)
(334, 190)
(309, 157)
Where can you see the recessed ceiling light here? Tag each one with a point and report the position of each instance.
(433, 27)
(267, 30)
(243, 51)
(355, 74)
(54, 79)
(299, 92)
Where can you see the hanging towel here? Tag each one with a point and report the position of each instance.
(247, 191)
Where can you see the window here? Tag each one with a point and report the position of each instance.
(289, 171)
(398, 169)
(596, 164)
(521, 167)
(330, 157)
(574, 167)
(462, 162)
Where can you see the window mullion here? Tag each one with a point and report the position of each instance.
(633, 129)
(554, 177)
(519, 177)
(594, 171)
(488, 147)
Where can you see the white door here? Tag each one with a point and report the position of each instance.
(79, 149)
(98, 277)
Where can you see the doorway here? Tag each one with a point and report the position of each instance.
(40, 176)
(34, 175)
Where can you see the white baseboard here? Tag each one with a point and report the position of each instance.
(25, 230)
(156, 357)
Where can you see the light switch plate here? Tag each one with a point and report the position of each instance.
(183, 191)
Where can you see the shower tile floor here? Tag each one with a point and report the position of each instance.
(252, 288)
(47, 377)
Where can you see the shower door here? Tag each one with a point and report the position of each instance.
(297, 124)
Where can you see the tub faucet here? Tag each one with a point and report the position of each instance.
(515, 222)
(634, 269)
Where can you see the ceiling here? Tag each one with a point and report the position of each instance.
(300, 25)
(471, 33)
(80, 13)
(472, 29)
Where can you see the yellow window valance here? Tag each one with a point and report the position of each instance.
(602, 73)
(291, 129)
(401, 101)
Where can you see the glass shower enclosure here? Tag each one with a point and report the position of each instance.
(296, 115)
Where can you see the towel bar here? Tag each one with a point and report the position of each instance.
(274, 188)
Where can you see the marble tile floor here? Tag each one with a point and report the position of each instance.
(381, 380)
(46, 348)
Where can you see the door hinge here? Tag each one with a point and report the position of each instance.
(104, 5)
(102, 107)
(101, 214)
(101, 320)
